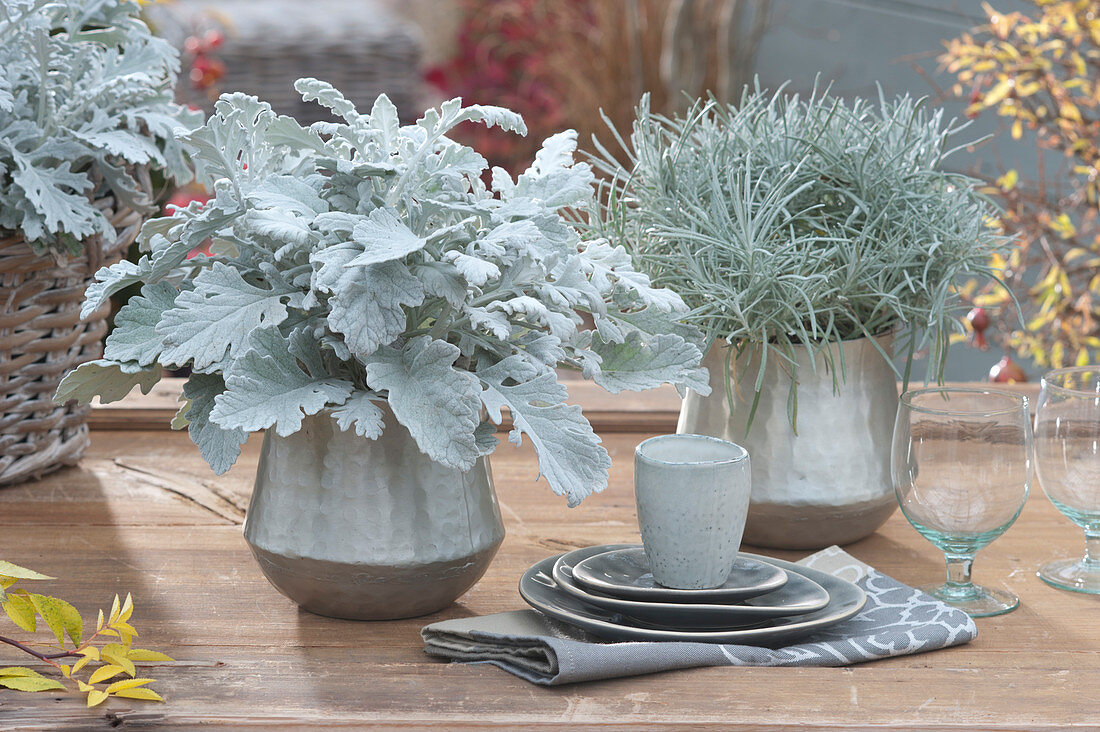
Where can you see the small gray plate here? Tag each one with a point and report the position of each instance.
(538, 588)
(625, 573)
(798, 596)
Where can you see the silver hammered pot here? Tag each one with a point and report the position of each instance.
(829, 482)
(369, 529)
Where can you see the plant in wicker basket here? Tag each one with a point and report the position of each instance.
(85, 110)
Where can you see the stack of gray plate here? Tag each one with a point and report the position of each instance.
(609, 591)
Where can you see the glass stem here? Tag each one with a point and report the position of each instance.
(1092, 549)
(958, 571)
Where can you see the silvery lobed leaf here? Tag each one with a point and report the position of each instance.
(485, 438)
(571, 457)
(361, 413)
(326, 95)
(384, 119)
(58, 195)
(213, 321)
(541, 348)
(265, 387)
(279, 225)
(441, 279)
(219, 447)
(135, 337)
(556, 153)
(366, 305)
(535, 312)
(109, 280)
(123, 144)
(558, 188)
(493, 321)
(476, 271)
(108, 380)
(287, 193)
(436, 402)
(384, 238)
(610, 269)
(646, 363)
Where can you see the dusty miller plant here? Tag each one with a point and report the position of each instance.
(786, 221)
(85, 92)
(364, 261)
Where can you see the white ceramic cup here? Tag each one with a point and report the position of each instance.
(693, 497)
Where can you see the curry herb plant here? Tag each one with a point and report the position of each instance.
(109, 647)
(85, 94)
(360, 262)
(787, 221)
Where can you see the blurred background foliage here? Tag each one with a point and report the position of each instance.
(1026, 71)
(1038, 70)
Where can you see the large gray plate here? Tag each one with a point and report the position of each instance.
(798, 596)
(539, 589)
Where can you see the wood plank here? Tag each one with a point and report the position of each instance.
(165, 528)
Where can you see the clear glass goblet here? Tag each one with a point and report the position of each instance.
(1067, 458)
(962, 467)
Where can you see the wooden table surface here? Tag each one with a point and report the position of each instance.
(144, 514)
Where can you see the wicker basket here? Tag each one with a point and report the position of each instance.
(41, 338)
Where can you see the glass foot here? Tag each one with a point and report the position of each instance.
(975, 601)
(1071, 574)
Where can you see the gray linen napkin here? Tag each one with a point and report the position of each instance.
(897, 620)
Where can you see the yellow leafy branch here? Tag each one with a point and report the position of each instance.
(110, 646)
(1040, 71)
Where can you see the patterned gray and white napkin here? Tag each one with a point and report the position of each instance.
(897, 620)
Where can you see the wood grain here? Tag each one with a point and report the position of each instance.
(144, 514)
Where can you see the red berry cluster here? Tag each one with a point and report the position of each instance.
(206, 70)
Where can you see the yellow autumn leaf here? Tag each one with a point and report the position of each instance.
(992, 298)
(143, 655)
(47, 608)
(59, 615)
(999, 91)
(1008, 181)
(1082, 358)
(115, 609)
(14, 571)
(90, 652)
(29, 683)
(19, 671)
(1057, 354)
(66, 671)
(72, 622)
(115, 653)
(127, 684)
(81, 664)
(84, 687)
(126, 629)
(1063, 226)
(99, 622)
(127, 609)
(142, 693)
(95, 696)
(21, 612)
(104, 672)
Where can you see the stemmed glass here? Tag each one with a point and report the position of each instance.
(961, 465)
(1067, 457)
